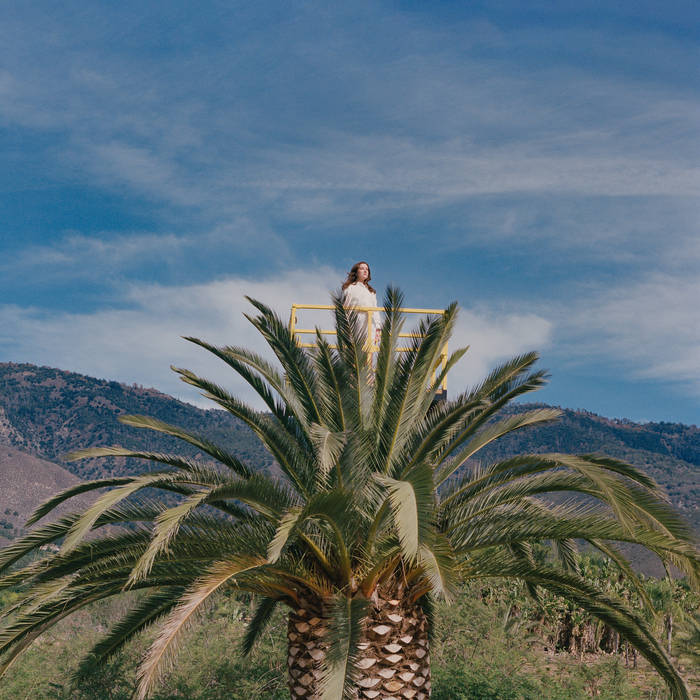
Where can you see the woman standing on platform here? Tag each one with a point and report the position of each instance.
(357, 291)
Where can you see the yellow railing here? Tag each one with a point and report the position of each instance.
(370, 344)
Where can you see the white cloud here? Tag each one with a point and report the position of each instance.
(453, 171)
(139, 343)
(572, 231)
(76, 251)
(650, 328)
(494, 338)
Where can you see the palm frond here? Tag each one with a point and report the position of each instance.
(438, 563)
(167, 525)
(25, 628)
(261, 493)
(451, 361)
(48, 505)
(357, 463)
(296, 363)
(328, 446)
(288, 452)
(346, 617)
(533, 521)
(51, 532)
(332, 379)
(108, 500)
(609, 550)
(438, 427)
(616, 614)
(611, 610)
(287, 523)
(142, 615)
(334, 509)
(162, 650)
(493, 432)
(356, 361)
(386, 357)
(634, 503)
(506, 383)
(263, 612)
(262, 377)
(567, 553)
(501, 381)
(197, 441)
(410, 502)
(409, 399)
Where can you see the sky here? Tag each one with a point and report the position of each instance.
(539, 163)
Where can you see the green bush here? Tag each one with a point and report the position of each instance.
(464, 683)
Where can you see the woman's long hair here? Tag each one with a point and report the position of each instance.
(352, 276)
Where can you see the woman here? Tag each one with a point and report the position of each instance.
(357, 291)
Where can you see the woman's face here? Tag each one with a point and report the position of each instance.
(362, 272)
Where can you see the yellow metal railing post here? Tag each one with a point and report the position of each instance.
(443, 365)
(293, 321)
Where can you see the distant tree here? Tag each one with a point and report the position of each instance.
(356, 537)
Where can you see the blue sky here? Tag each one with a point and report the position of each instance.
(540, 166)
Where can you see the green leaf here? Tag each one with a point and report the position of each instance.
(345, 627)
(438, 562)
(287, 523)
(328, 446)
(411, 503)
(145, 613)
(202, 443)
(261, 617)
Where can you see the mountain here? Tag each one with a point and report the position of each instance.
(26, 481)
(46, 412)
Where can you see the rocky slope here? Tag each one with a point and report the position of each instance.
(26, 481)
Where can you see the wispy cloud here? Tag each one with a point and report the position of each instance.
(493, 338)
(428, 127)
(114, 256)
(139, 341)
(649, 329)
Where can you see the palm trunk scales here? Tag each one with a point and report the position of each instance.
(394, 652)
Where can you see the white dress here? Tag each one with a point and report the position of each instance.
(358, 294)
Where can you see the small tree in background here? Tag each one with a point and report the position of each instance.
(377, 512)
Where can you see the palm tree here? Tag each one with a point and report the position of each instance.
(379, 509)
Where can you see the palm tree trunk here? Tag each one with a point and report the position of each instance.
(394, 651)
(306, 650)
(395, 659)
